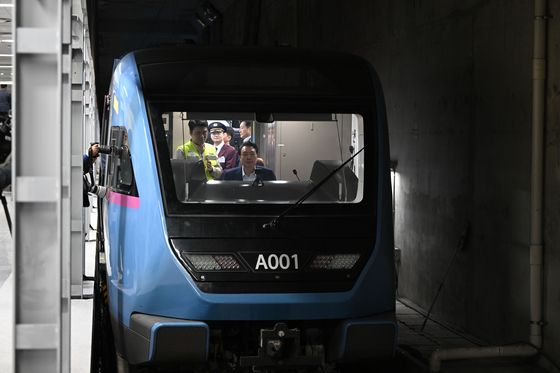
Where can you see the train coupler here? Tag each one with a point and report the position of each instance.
(280, 349)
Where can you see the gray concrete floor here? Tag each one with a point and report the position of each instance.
(419, 344)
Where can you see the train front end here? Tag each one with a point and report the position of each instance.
(290, 273)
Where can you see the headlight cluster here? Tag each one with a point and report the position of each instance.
(334, 261)
(212, 262)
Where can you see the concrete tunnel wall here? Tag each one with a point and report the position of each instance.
(457, 76)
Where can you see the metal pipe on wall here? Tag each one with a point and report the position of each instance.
(521, 350)
(536, 243)
(537, 174)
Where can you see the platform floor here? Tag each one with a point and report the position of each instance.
(414, 344)
(418, 344)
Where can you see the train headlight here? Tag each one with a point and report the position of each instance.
(334, 261)
(203, 262)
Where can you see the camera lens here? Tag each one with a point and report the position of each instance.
(105, 149)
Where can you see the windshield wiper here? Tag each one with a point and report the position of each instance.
(274, 222)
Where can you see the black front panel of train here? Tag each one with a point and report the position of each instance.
(272, 260)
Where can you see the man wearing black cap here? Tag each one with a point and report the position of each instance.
(226, 153)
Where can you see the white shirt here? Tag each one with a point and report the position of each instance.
(219, 147)
(251, 177)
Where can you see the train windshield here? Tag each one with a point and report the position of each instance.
(225, 158)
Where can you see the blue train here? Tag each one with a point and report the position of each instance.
(209, 274)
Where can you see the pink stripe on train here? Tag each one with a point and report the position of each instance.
(123, 200)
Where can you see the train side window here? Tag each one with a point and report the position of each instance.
(120, 175)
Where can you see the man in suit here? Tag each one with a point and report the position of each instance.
(245, 130)
(230, 139)
(248, 155)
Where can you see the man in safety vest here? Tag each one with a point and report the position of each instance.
(197, 147)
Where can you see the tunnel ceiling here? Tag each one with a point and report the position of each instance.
(117, 27)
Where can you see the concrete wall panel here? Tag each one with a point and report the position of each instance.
(458, 82)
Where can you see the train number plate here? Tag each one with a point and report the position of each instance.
(276, 262)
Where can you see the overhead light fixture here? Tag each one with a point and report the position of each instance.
(6, 55)
(6, 5)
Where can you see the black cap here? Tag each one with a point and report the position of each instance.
(216, 126)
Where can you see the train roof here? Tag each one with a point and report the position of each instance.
(191, 69)
(189, 52)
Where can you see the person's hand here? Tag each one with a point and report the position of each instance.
(209, 166)
(94, 150)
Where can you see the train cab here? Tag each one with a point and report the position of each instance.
(294, 271)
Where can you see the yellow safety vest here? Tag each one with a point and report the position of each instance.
(209, 153)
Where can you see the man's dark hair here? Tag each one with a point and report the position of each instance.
(3, 85)
(197, 123)
(230, 131)
(248, 143)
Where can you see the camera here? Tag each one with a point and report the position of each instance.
(99, 191)
(90, 187)
(5, 123)
(109, 149)
(105, 149)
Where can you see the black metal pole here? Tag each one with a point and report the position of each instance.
(6, 212)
